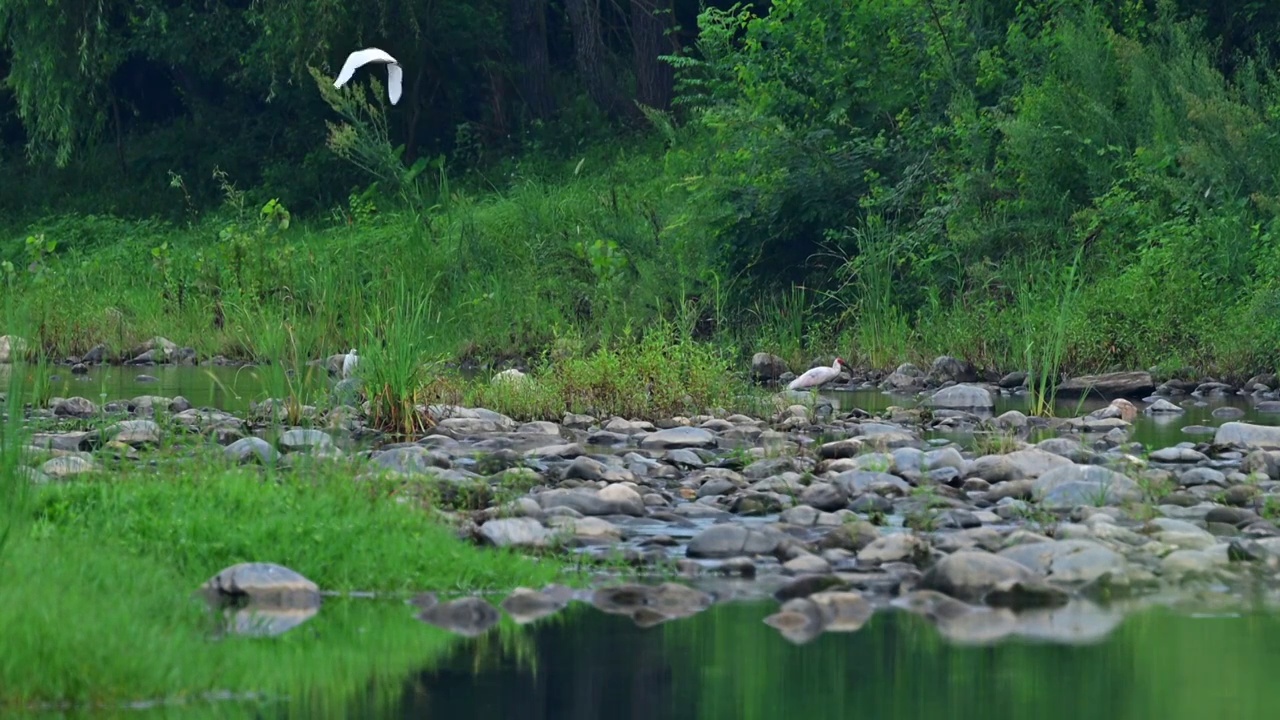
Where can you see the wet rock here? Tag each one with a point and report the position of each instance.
(679, 437)
(411, 459)
(970, 574)
(1163, 407)
(66, 466)
(515, 532)
(1018, 595)
(807, 564)
(250, 449)
(852, 536)
(1178, 455)
(767, 367)
(727, 540)
(585, 530)
(1018, 465)
(949, 369)
(265, 584)
(75, 407)
(799, 620)
(897, 547)
(1071, 485)
(1117, 384)
(1068, 561)
(468, 617)
(961, 397)
(137, 433)
(593, 502)
(1266, 437)
(304, 439)
(824, 496)
(1187, 564)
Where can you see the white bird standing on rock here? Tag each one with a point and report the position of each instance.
(349, 363)
(817, 376)
(395, 75)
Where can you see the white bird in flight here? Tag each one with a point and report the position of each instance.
(817, 376)
(349, 363)
(395, 75)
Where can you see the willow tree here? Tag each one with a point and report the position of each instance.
(61, 56)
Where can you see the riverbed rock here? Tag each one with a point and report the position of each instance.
(264, 584)
(304, 439)
(250, 449)
(679, 437)
(592, 502)
(1249, 435)
(970, 574)
(962, 397)
(138, 433)
(726, 541)
(1068, 561)
(1131, 384)
(1018, 465)
(75, 407)
(515, 532)
(946, 368)
(767, 367)
(67, 466)
(1071, 485)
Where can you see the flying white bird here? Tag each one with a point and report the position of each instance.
(368, 55)
(817, 376)
(349, 363)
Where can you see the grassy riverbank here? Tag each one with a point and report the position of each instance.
(101, 570)
(559, 266)
(1077, 188)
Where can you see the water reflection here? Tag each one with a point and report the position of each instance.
(726, 663)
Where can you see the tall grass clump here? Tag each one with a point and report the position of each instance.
(655, 376)
(1046, 295)
(869, 293)
(400, 357)
(282, 347)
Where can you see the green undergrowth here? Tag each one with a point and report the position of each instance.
(343, 535)
(87, 623)
(99, 603)
(1058, 190)
(651, 378)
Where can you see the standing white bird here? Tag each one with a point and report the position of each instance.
(395, 75)
(349, 363)
(816, 376)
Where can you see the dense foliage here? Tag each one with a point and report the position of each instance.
(885, 179)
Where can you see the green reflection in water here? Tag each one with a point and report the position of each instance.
(726, 664)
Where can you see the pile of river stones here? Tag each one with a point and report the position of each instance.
(834, 517)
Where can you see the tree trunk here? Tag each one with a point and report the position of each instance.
(589, 55)
(532, 61)
(653, 35)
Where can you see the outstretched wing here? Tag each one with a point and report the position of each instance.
(395, 77)
(359, 58)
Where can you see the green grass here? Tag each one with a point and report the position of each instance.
(343, 534)
(85, 623)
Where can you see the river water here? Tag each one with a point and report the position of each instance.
(233, 388)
